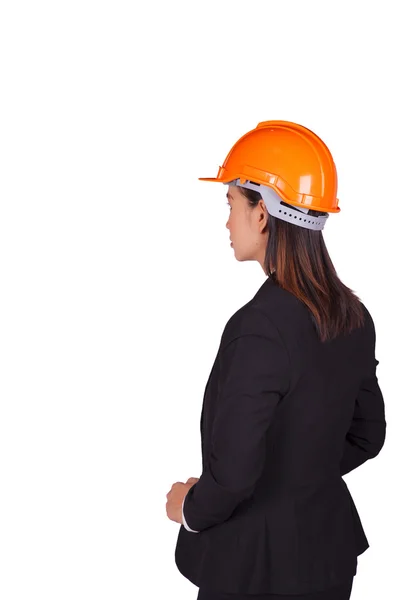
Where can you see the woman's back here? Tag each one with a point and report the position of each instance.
(284, 417)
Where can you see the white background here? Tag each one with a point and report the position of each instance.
(116, 273)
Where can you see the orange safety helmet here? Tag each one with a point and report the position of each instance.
(292, 161)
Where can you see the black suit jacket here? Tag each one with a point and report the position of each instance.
(284, 416)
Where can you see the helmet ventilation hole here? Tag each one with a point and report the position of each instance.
(300, 219)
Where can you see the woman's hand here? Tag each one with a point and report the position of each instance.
(175, 498)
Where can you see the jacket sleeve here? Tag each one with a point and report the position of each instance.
(254, 375)
(367, 432)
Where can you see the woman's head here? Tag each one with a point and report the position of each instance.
(275, 243)
(297, 256)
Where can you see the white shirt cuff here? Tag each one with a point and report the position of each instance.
(186, 526)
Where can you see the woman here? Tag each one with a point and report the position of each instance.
(292, 402)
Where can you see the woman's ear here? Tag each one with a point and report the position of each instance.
(263, 216)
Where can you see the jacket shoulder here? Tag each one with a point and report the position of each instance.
(250, 319)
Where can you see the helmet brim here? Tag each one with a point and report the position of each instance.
(222, 179)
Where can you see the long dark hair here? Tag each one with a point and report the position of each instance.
(298, 260)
